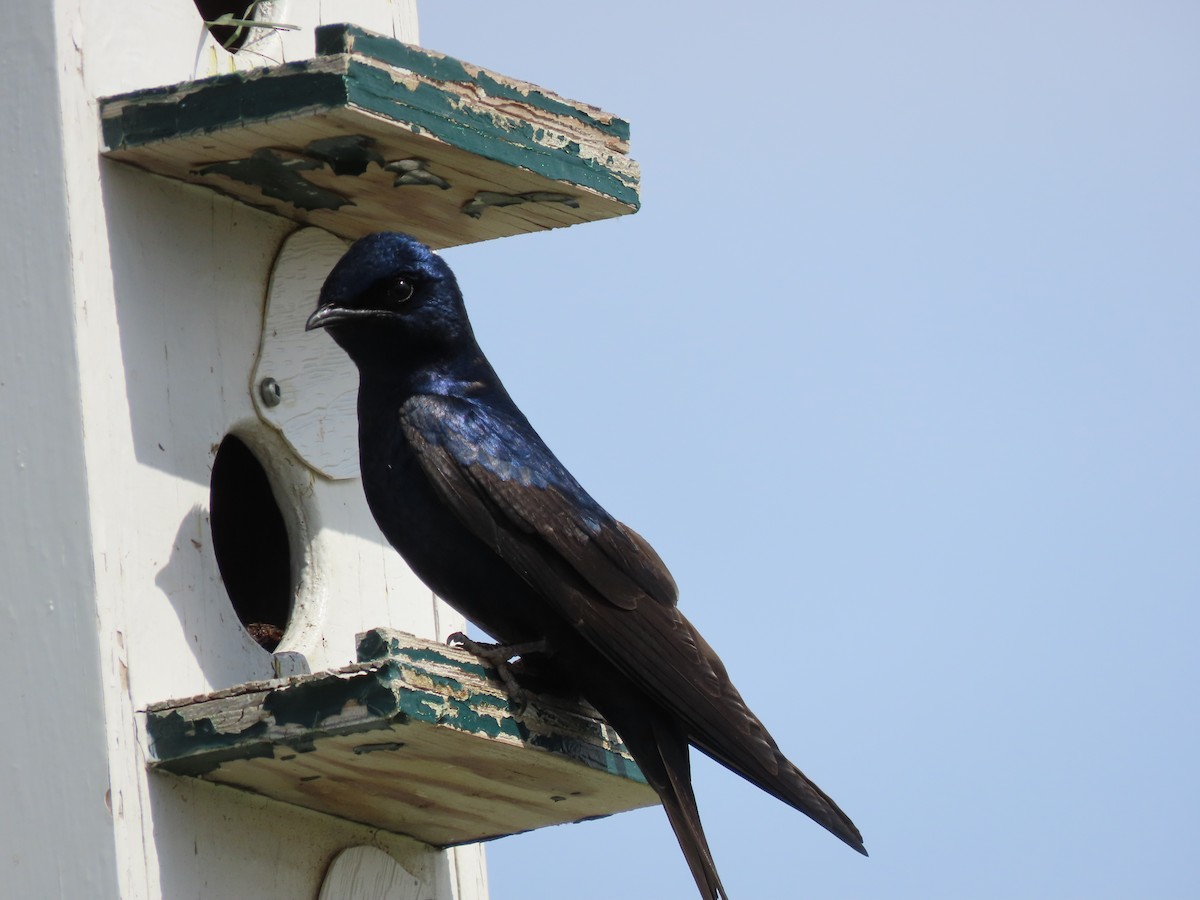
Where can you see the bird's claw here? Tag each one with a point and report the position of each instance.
(498, 656)
(462, 642)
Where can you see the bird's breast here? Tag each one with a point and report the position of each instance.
(438, 547)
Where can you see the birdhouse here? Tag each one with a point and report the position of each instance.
(219, 680)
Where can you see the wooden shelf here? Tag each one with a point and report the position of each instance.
(373, 134)
(417, 738)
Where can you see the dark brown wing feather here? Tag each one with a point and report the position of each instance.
(598, 578)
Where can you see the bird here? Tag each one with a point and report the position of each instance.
(487, 517)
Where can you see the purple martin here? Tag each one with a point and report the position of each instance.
(484, 513)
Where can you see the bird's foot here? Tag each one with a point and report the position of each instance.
(496, 652)
(499, 656)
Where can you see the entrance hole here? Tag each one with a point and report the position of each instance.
(250, 540)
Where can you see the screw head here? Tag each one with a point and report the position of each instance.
(270, 392)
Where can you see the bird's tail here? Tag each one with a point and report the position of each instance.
(662, 754)
(658, 741)
(796, 790)
(778, 776)
(749, 750)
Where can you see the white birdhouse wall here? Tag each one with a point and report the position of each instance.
(165, 294)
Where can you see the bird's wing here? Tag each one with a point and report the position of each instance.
(510, 490)
(502, 480)
(603, 579)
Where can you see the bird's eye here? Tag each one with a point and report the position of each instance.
(400, 290)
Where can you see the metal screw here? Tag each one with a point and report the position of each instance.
(270, 391)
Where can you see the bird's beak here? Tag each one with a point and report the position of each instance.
(327, 315)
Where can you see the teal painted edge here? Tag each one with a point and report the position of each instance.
(196, 747)
(212, 104)
(378, 645)
(335, 39)
(435, 111)
(229, 100)
(594, 757)
(488, 716)
(308, 704)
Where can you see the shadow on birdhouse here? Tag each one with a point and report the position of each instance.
(250, 540)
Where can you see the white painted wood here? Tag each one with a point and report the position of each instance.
(318, 384)
(219, 844)
(133, 313)
(395, 18)
(367, 873)
(468, 870)
(56, 830)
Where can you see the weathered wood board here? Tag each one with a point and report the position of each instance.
(417, 739)
(373, 134)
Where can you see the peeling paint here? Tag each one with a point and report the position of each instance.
(405, 681)
(484, 199)
(406, 85)
(142, 117)
(312, 703)
(277, 175)
(338, 39)
(415, 172)
(420, 740)
(444, 115)
(346, 154)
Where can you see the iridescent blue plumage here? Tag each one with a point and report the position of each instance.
(486, 515)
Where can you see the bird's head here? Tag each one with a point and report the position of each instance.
(392, 296)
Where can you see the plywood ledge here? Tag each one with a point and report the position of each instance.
(373, 134)
(418, 739)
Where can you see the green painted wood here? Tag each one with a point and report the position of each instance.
(487, 115)
(482, 132)
(338, 39)
(213, 104)
(417, 738)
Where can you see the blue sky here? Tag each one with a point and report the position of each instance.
(897, 369)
